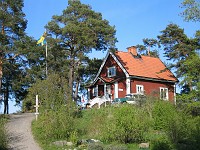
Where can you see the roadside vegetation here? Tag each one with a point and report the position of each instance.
(120, 127)
(3, 140)
(160, 123)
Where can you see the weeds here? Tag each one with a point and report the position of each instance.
(3, 141)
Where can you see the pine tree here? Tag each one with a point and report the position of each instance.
(181, 51)
(192, 10)
(12, 26)
(146, 49)
(77, 31)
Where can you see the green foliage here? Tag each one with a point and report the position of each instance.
(55, 125)
(52, 93)
(160, 123)
(56, 119)
(162, 113)
(182, 50)
(74, 34)
(161, 143)
(116, 147)
(95, 146)
(12, 25)
(189, 103)
(125, 124)
(192, 10)
(3, 140)
(177, 129)
(146, 49)
(128, 124)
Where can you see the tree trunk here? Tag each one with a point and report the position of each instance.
(71, 79)
(190, 85)
(6, 106)
(1, 59)
(76, 90)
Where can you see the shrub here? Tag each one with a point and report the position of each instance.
(52, 93)
(163, 112)
(56, 119)
(180, 128)
(161, 144)
(55, 125)
(127, 124)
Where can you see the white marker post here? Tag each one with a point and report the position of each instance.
(36, 108)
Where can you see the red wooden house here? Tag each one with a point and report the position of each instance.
(123, 73)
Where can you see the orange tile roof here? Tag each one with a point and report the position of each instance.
(146, 66)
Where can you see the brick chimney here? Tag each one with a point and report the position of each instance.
(133, 50)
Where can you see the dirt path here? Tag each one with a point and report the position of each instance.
(19, 132)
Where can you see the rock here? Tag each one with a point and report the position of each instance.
(62, 143)
(93, 141)
(69, 143)
(144, 145)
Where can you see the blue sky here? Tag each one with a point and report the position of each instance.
(134, 20)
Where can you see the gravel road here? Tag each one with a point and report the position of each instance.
(19, 132)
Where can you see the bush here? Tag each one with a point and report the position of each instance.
(57, 113)
(180, 128)
(52, 93)
(55, 125)
(126, 124)
(163, 112)
(161, 144)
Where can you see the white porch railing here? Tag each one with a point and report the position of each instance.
(99, 101)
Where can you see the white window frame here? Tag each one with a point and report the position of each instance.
(112, 71)
(139, 89)
(163, 89)
(95, 91)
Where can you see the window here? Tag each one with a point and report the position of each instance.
(111, 72)
(140, 89)
(164, 93)
(95, 91)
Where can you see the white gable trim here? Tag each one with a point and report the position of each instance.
(120, 65)
(103, 63)
(97, 80)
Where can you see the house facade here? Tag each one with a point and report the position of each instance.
(122, 73)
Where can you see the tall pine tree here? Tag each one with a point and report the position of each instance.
(77, 31)
(181, 50)
(12, 26)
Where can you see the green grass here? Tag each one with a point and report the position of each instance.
(3, 141)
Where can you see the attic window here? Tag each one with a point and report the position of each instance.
(111, 72)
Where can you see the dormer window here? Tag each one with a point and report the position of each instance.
(111, 72)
